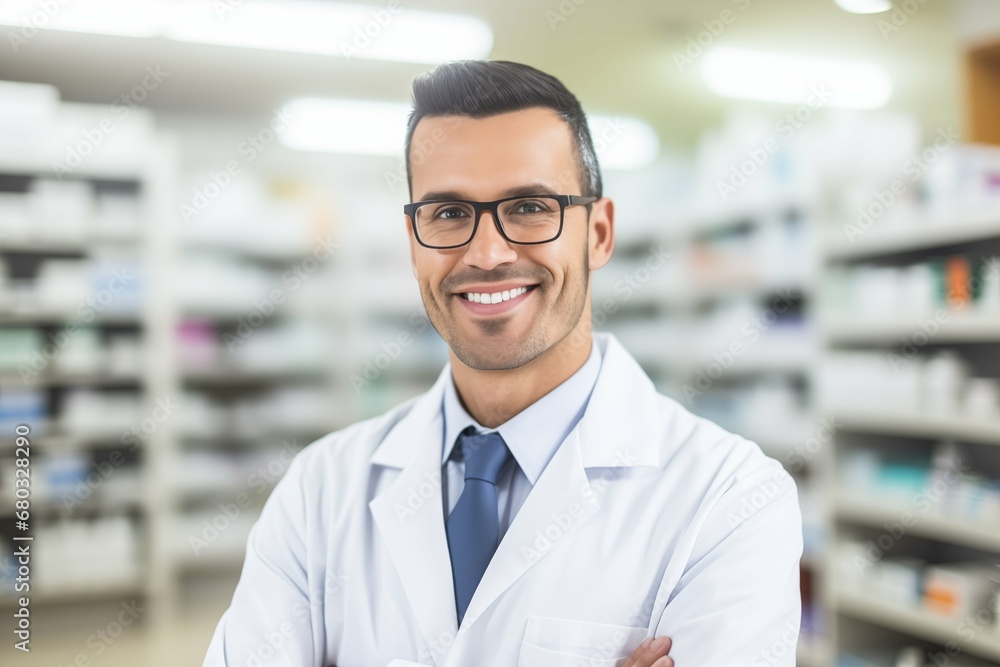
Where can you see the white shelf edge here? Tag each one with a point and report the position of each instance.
(916, 237)
(921, 425)
(922, 625)
(959, 328)
(979, 535)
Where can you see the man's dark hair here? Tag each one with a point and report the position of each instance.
(483, 88)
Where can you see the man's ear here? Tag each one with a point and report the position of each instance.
(602, 232)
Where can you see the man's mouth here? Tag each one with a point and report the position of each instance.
(496, 297)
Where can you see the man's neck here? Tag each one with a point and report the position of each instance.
(493, 397)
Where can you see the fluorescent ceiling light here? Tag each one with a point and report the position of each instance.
(790, 79)
(356, 127)
(623, 142)
(864, 6)
(142, 18)
(362, 127)
(302, 26)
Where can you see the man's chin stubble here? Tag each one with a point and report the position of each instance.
(493, 354)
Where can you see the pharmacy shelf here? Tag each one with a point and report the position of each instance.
(960, 328)
(122, 591)
(222, 378)
(65, 380)
(917, 623)
(75, 248)
(920, 425)
(51, 508)
(59, 319)
(771, 356)
(41, 167)
(921, 235)
(52, 437)
(702, 293)
(763, 208)
(978, 535)
(780, 443)
(304, 436)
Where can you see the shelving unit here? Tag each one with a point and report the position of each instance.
(142, 173)
(934, 535)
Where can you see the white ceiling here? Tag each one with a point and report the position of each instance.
(617, 57)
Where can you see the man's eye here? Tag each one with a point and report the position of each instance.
(451, 213)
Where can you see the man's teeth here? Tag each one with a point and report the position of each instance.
(495, 297)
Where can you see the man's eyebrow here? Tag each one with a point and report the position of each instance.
(516, 191)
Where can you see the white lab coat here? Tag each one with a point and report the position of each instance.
(647, 520)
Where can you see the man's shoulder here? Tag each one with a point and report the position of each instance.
(698, 442)
(734, 481)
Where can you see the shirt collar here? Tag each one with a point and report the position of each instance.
(534, 434)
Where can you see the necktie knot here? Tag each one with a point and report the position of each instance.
(484, 454)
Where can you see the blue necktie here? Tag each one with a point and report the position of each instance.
(473, 526)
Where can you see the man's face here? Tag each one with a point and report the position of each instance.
(483, 160)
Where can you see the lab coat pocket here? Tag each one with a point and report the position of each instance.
(560, 642)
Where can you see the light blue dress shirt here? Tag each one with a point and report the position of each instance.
(533, 436)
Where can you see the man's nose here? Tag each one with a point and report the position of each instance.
(488, 248)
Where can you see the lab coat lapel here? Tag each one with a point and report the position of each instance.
(618, 430)
(409, 515)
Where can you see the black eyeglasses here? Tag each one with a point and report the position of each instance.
(527, 220)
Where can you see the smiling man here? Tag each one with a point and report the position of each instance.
(541, 504)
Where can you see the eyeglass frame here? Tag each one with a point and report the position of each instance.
(479, 206)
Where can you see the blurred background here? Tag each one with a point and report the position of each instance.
(203, 268)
